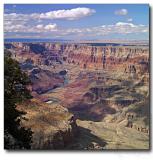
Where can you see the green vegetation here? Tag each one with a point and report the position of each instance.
(15, 81)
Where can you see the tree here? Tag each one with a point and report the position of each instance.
(15, 91)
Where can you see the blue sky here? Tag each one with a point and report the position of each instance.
(77, 21)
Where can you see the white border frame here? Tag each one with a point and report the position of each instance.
(40, 155)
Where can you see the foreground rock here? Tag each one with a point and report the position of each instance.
(103, 136)
(53, 126)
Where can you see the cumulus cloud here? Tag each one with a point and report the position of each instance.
(40, 28)
(120, 24)
(50, 27)
(121, 12)
(71, 14)
(129, 19)
(53, 30)
(118, 28)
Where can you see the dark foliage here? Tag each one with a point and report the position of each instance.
(15, 81)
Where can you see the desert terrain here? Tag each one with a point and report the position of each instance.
(86, 96)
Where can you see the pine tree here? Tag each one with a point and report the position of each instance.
(15, 81)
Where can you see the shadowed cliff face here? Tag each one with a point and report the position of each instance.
(43, 80)
(39, 76)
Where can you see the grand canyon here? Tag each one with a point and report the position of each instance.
(77, 77)
(85, 96)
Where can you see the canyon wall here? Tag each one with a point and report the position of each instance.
(84, 55)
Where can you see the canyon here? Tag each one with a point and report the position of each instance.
(88, 96)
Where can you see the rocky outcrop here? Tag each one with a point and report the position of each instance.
(52, 125)
(103, 136)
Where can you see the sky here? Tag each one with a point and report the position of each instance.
(77, 21)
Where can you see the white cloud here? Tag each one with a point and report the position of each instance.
(129, 19)
(121, 12)
(118, 28)
(40, 26)
(50, 27)
(125, 24)
(21, 28)
(145, 30)
(53, 30)
(71, 14)
(17, 22)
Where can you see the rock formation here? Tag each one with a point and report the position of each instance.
(53, 126)
(85, 55)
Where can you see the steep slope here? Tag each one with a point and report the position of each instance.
(53, 126)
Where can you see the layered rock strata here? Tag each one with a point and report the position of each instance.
(128, 58)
